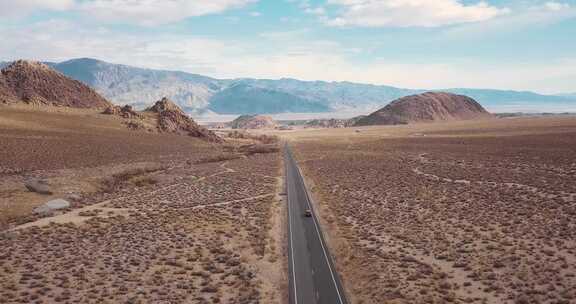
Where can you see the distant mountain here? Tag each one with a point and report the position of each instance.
(491, 98)
(336, 95)
(142, 87)
(197, 94)
(241, 98)
(426, 107)
(568, 95)
(36, 83)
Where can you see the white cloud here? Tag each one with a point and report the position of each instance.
(290, 54)
(410, 13)
(18, 8)
(154, 12)
(319, 11)
(555, 6)
(529, 17)
(142, 12)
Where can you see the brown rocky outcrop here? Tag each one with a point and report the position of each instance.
(126, 111)
(171, 119)
(427, 107)
(253, 122)
(6, 94)
(36, 83)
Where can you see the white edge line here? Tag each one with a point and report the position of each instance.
(319, 236)
(291, 239)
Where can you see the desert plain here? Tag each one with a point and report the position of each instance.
(152, 218)
(459, 212)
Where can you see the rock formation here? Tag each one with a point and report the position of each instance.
(253, 122)
(171, 119)
(427, 107)
(126, 111)
(38, 84)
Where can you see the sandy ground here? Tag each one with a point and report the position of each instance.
(466, 212)
(149, 222)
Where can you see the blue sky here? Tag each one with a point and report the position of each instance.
(506, 44)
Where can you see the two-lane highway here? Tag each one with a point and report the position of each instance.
(313, 277)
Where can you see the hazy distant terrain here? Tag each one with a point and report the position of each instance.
(199, 94)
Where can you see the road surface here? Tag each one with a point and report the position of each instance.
(313, 277)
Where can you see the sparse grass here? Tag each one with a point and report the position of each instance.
(135, 176)
(262, 138)
(455, 216)
(173, 242)
(259, 149)
(219, 157)
(14, 212)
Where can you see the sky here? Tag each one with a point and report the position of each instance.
(425, 44)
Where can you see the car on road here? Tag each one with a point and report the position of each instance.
(308, 213)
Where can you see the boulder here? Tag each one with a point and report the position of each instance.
(52, 205)
(38, 186)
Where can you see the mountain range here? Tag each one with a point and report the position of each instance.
(198, 94)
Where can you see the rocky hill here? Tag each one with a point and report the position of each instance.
(426, 107)
(171, 119)
(36, 83)
(253, 122)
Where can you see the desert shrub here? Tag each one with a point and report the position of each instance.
(145, 181)
(267, 139)
(238, 134)
(259, 148)
(219, 157)
(120, 180)
(263, 138)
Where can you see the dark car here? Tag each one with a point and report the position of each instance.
(308, 213)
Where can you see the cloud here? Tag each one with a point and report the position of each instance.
(19, 8)
(275, 55)
(141, 12)
(155, 12)
(319, 11)
(528, 17)
(555, 6)
(410, 13)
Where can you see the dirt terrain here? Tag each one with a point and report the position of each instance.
(463, 212)
(153, 218)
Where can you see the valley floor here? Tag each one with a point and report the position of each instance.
(152, 218)
(468, 212)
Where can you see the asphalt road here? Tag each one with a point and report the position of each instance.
(313, 277)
